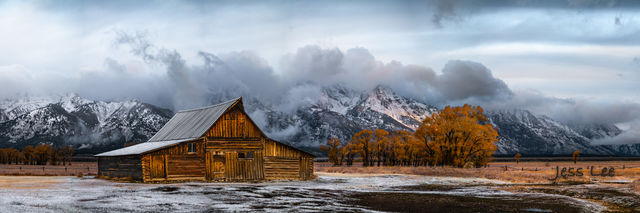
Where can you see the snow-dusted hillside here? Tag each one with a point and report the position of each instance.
(337, 112)
(341, 112)
(69, 119)
(523, 132)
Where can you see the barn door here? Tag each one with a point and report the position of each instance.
(157, 166)
(218, 167)
(215, 166)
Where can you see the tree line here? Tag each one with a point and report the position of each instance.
(456, 136)
(42, 154)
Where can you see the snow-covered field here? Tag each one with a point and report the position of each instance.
(329, 192)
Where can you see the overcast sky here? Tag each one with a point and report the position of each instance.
(562, 48)
(582, 51)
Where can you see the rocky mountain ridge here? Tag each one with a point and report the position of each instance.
(338, 112)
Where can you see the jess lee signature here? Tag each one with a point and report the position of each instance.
(570, 172)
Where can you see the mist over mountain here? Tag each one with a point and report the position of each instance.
(95, 126)
(314, 93)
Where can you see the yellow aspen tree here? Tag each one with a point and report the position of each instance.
(333, 150)
(364, 144)
(456, 136)
(575, 156)
(380, 136)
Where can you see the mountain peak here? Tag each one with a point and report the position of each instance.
(69, 119)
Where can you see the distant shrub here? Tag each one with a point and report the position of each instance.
(635, 185)
(79, 174)
(468, 165)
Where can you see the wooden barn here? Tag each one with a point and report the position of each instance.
(215, 143)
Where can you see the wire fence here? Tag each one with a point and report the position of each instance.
(47, 170)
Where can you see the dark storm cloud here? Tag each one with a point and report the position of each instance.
(217, 78)
(359, 69)
(444, 10)
(465, 79)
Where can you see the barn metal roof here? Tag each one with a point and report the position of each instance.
(142, 148)
(184, 126)
(192, 123)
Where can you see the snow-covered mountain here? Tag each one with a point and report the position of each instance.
(337, 112)
(523, 132)
(69, 119)
(341, 112)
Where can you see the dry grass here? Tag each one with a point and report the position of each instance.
(86, 168)
(524, 172)
(635, 185)
(35, 182)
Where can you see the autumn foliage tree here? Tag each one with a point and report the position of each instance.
(457, 135)
(381, 145)
(40, 155)
(333, 151)
(10, 156)
(28, 153)
(349, 152)
(575, 156)
(517, 157)
(364, 144)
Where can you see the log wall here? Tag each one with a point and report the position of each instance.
(284, 162)
(120, 166)
(175, 162)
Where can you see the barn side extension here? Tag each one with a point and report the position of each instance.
(215, 143)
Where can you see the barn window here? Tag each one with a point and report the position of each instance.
(192, 148)
(245, 155)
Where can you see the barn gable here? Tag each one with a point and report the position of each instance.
(193, 123)
(234, 124)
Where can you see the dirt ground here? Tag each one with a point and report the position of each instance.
(501, 187)
(76, 168)
(330, 192)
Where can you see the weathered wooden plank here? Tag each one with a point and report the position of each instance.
(121, 166)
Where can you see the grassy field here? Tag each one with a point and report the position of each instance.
(523, 172)
(76, 168)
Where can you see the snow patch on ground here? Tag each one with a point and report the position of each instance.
(326, 193)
